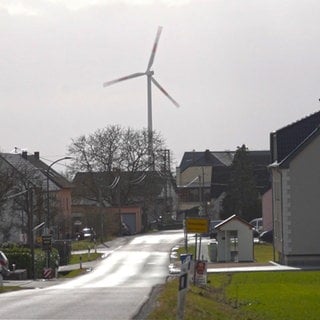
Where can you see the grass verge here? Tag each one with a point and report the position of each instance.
(4, 289)
(75, 258)
(291, 295)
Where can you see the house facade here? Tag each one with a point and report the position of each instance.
(108, 200)
(296, 191)
(267, 222)
(29, 200)
(202, 180)
(59, 191)
(235, 240)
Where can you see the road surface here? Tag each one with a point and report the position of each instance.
(115, 289)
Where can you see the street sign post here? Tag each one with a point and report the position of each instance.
(197, 225)
(183, 286)
(46, 242)
(200, 272)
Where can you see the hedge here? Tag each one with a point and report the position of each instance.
(22, 258)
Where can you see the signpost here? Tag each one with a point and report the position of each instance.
(197, 225)
(200, 273)
(183, 286)
(46, 242)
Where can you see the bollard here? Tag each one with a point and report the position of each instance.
(80, 261)
(13, 267)
(89, 253)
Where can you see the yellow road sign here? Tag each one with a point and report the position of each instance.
(197, 225)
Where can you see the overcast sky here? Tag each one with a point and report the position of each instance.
(240, 69)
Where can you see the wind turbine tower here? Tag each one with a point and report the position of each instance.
(150, 79)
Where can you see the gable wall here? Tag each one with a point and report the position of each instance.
(277, 209)
(191, 173)
(305, 196)
(267, 210)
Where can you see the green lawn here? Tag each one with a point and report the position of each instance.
(263, 252)
(75, 258)
(274, 295)
(82, 245)
(293, 295)
(4, 289)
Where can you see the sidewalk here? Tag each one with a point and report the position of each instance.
(216, 267)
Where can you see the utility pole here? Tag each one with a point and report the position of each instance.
(29, 205)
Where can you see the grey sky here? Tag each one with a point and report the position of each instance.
(239, 69)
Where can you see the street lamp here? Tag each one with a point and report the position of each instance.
(48, 191)
(48, 204)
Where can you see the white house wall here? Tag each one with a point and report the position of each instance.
(286, 212)
(305, 200)
(277, 209)
(204, 173)
(245, 241)
(296, 207)
(267, 210)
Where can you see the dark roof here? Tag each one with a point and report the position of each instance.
(285, 162)
(287, 139)
(37, 170)
(54, 176)
(25, 168)
(221, 158)
(202, 158)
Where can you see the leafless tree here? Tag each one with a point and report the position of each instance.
(115, 147)
(114, 152)
(16, 180)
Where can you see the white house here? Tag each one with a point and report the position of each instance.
(235, 240)
(296, 192)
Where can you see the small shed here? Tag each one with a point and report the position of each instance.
(235, 240)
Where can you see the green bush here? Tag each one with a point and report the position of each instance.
(40, 261)
(22, 258)
(18, 255)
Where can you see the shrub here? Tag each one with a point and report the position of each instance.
(22, 258)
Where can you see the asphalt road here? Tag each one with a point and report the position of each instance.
(116, 289)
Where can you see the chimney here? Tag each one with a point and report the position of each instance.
(24, 154)
(37, 155)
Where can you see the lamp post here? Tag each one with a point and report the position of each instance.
(48, 202)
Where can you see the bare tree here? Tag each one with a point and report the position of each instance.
(115, 148)
(17, 178)
(99, 151)
(110, 153)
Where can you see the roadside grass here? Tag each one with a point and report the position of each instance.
(85, 257)
(75, 259)
(263, 252)
(82, 245)
(4, 289)
(72, 273)
(290, 295)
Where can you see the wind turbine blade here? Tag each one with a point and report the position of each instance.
(134, 75)
(154, 49)
(165, 92)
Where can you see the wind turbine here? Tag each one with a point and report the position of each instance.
(150, 79)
